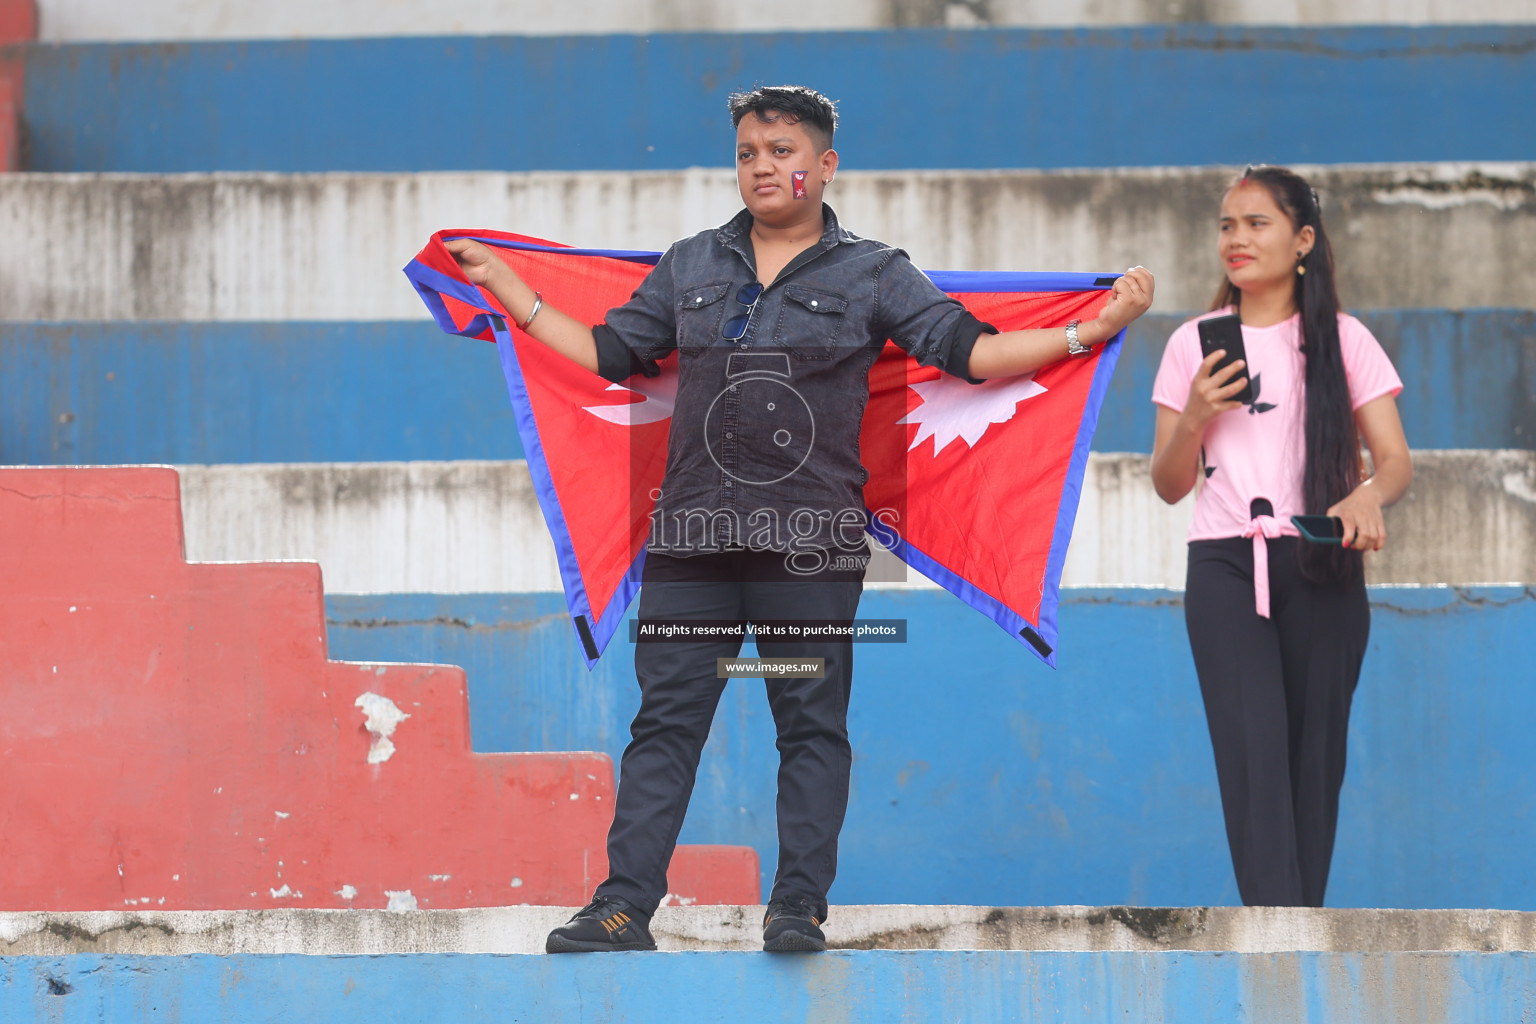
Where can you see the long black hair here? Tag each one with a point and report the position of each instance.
(1332, 440)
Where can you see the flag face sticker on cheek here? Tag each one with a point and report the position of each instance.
(799, 177)
(974, 486)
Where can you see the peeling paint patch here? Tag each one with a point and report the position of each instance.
(671, 899)
(1520, 485)
(381, 716)
(1449, 200)
(285, 893)
(402, 900)
(1473, 187)
(347, 892)
(281, 814)
(439, 878)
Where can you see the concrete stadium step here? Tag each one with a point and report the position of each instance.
(123, 392)
(264, 247)
(1074, 965)
(104, 20)
(665, 988)
(739, 928)
(994, 97)
(982, 777)
(176, 736)
(465, 527)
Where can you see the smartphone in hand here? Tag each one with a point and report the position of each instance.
(1226, 332)
(1320, 529)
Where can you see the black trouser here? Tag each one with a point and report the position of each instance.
(1277, 693)
(679, 690)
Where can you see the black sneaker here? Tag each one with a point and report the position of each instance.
(790, 926)
(606, 924)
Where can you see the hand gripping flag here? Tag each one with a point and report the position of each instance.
(979, 484)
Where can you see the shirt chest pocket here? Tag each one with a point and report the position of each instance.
(700, 310)
(810, 321)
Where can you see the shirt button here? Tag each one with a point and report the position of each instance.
(742, 346)
(698, 299)
(728, 436)
(813, 303)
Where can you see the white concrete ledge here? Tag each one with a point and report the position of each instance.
(97, 20)
(377, 527)
(263, 247)
(523, 929)
(475, 527)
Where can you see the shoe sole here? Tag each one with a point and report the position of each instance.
(561, 944)
(795, 942)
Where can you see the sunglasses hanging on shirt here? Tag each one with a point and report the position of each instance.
(736, 327)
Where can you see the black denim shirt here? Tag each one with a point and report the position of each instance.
(763, 451)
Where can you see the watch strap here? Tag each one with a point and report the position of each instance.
(1074, 347)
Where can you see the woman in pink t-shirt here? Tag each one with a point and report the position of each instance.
(1278, 650)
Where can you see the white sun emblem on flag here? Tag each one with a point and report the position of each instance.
(659, 394)
(954, 410)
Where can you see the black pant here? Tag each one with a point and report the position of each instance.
(679, 690)
(1277, 694)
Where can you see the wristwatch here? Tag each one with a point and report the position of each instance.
(1075, 347)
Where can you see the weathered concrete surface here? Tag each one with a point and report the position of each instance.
(443, 527)
(1458, 504)
(522, 930)
(1470, 517)
(467, 527)
(82, 20)
(665, 988)
(330, 247)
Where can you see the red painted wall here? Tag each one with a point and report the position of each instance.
(18, 24)
(174, 736)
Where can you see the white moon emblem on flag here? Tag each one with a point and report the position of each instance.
(954, 410)
(659, 395)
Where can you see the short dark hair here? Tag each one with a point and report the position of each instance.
(796, 104)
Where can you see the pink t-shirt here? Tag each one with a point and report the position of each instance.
(1258, 451)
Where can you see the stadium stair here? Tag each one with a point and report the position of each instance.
(1071, 965)
(175, 737)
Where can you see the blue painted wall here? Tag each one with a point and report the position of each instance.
(911, 98)
(1469, 377)
(106, 393)
(885, 986)
(982, 777)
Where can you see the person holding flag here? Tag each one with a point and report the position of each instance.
(776, 318)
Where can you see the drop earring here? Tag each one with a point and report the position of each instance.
(1300, 270)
